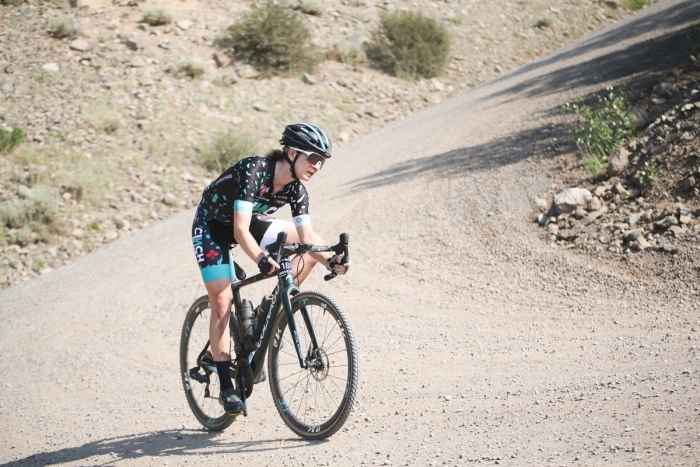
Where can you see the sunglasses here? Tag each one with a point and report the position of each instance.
(316, 160)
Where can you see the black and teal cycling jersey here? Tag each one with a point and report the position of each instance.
(247, 186)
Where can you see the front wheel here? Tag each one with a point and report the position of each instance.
(316, 401)
(200, 381)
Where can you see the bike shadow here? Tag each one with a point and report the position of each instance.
(175, 445)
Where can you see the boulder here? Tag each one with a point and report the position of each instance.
(80, 45)
(665, 90)
(666, 222)
(639, 116)
(568, 200)
(618, 162)
(222, 60)
(595, 204)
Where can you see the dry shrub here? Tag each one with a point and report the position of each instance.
(33, 219)
(349, 52)
(156, 16)
(410, 45)
(63, 27)
(190, 68)
(273, 39)
(10, 139)
(227, 149)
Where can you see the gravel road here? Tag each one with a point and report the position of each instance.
(479, 342)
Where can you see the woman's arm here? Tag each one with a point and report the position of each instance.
(241, 232)
(307, 235)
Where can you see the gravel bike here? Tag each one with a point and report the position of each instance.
(313, 366)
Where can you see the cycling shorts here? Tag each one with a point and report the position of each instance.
(212, 242)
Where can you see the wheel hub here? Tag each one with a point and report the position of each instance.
(319, 365)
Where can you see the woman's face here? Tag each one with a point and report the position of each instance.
(303, 167)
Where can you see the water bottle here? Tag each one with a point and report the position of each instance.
(248, 325)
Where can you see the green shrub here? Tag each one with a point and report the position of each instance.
(63, 27)
(349, 52)
(594, 164)
(602, 130)
(10, 139)
(636, 4)
(543, 21)
(190, 68)
(271, 38)
(410, 45)
(227, 149)
(35, 218)
(156, 16)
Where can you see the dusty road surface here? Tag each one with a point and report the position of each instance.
(479, 342)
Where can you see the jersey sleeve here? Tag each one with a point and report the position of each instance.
(250, 176)
(300, 205)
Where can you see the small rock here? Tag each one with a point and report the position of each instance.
(688, 184)
(580, 212)
(619, 189)
(640, 244)
(169, 199)
(80, 45)
(142, 26)
(247, 72)
(260, 107)
(50, 67)
(541, 204)
(666, 222)
(599, 191)
(677, 230)
(24, 191)
(143, 125)
(146, 81)
(618, 162)
(78, 233)
(553, 229)
(595, 204)
(665, 90)
(222, 60)
(344, 136)
(634, 218)
(568, 200)
(137, 62)
(640, 117)
(592, 216)
(631, 235)
(437, 85)
(184, 24)
(308, 79)
(133, 44)
(164, 46)
(121, 223)
(110, 235)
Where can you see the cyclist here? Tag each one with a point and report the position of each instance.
(234, 210)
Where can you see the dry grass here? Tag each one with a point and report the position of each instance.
(227, 149)
(63, 27)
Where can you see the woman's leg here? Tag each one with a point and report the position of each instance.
(301, 265)
(219, 292)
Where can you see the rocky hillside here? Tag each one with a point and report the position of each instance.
(115, 132)
(644, 211)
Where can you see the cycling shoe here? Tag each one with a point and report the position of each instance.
(231, 402)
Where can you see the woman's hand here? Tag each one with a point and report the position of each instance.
(334, 265)
(267, 265)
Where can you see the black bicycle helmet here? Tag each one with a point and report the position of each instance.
(307, 137)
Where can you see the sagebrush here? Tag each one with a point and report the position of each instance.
(273, 39)
(227, 149)
(32, 219)
(410, 45)
(602, 130)
(156, 16)
(190, 68)
(63, 27)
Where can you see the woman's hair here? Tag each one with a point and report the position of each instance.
(276, 154)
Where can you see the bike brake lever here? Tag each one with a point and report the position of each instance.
(330, 276)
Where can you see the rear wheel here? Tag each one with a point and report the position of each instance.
(316, 401)
(200, 381)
